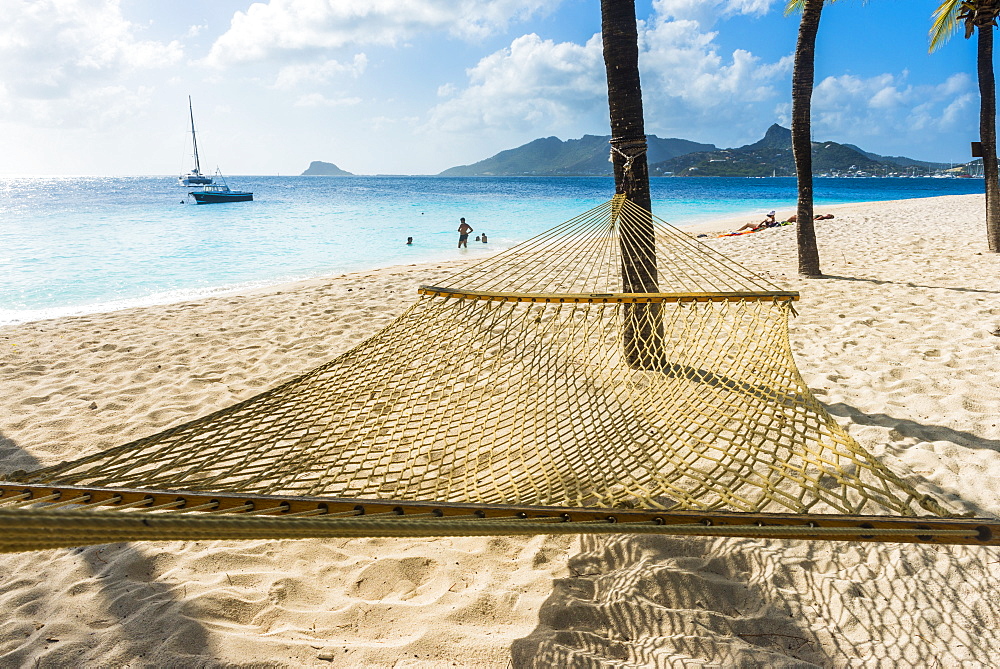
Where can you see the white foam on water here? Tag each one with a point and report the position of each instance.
(15, 316)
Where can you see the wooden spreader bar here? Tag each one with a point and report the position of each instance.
(319, 516)
(611, 298)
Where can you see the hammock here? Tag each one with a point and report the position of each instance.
(537, 392)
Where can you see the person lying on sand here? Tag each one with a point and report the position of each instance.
(817, 217)
(766, 223)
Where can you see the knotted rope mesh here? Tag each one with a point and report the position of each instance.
(542, 376)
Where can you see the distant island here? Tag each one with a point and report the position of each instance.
(318, 168)
(770, 156)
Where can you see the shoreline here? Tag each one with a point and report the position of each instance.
(185, 296)
(181, 297)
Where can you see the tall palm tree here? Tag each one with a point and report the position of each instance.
(621, 58)
(642, 329)
(981, 14)
(803, 76)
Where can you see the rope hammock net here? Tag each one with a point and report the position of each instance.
(538, 391)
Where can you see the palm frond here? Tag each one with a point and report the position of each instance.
(797, 5)
(952, 15)
(794, 6)
(945, 24)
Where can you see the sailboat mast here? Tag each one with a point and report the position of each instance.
(194, 139)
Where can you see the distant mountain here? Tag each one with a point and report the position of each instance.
(769, 156)
(587, 156)
(318, 168)
(772, 155)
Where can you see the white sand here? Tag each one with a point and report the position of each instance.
(897, 343)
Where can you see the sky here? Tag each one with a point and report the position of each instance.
(100, 87)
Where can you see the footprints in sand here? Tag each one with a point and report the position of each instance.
(295, 594)
(367, 602)
(401, 579)
(150, 368)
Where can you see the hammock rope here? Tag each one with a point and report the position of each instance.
(508, 401)
(135, 515)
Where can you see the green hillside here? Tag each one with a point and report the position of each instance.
(770, 156)
(902, 161)
(551, 156)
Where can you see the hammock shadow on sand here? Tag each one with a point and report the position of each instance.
(710, 378)
(664, 601)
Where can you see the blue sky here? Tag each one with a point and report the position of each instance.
(417, 86)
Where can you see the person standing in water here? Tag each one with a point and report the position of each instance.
(463, 233)
(484, 238)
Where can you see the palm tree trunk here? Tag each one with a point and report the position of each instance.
(988, 135)
(642, 328)
(802, 89)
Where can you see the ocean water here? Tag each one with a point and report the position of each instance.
(72, 245)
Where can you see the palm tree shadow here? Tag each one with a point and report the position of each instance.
(913, 429)
(908, 284)
(126, 580)
(13, 457)
(668, 601)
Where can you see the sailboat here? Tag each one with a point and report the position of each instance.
(220, 192)
(194, 177)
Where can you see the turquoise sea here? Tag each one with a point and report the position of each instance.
(71, 245)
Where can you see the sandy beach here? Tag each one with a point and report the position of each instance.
(901, 342)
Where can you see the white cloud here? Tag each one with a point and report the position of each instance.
(447, 90)
(886, 98)
(886, 106)
(302, 27)
(63, 62)
(321, 72)
(540, 85)
(533, 83)
(692, 90)
(318, 100)
(393, 122)
(680, 63)
(706, 13)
